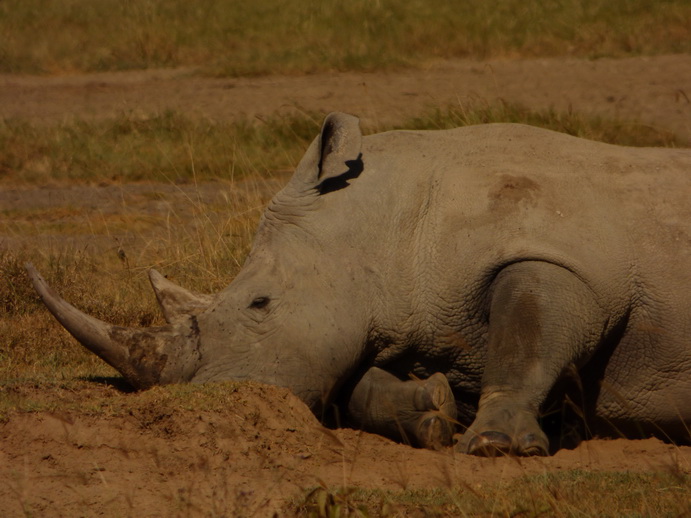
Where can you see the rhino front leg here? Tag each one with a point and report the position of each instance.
(542, 319)
(420, 412)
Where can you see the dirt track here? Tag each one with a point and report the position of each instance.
(159, 460)
(654, 90)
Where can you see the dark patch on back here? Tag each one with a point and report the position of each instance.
(511, 190)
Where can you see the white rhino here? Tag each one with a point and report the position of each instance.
(490, 261)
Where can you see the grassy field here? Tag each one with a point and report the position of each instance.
(292, 36)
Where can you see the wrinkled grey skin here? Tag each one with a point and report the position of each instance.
(501, 256)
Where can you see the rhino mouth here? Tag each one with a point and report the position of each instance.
(144, 356)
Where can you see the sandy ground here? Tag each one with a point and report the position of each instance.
(246, 460)
(265, 447)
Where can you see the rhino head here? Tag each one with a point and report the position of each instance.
(286, 319)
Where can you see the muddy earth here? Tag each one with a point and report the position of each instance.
(145, 455)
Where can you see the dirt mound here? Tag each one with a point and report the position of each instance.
(236, 450)
(156, 452)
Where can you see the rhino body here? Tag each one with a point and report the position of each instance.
(502, 257)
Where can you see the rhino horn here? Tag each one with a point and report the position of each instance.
(145, 357)
(176, 302)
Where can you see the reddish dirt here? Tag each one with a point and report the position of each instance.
(249, 458)
(264, 447)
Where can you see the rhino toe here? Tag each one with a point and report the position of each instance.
(504, 430)
(434, 431)
(494, 444)
(533, 445)
(490, 444)
(435, 427)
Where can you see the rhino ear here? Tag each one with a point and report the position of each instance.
(334, 152)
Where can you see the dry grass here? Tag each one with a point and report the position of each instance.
(167, 147)
(592, 127)
(102, 267)
(292, 36)
(610, 494)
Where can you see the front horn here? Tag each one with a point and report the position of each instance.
(145, 357)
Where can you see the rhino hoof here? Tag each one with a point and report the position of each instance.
(435, 431)
(435, 428)
(532, 445)
(490, 444)
(493, 444)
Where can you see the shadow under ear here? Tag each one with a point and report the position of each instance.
(336, 183)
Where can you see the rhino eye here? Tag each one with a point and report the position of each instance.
(260, 303)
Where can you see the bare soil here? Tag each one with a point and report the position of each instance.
(150, 457)
(153, 458)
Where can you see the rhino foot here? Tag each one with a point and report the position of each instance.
(495, 444)
(434, 429)
(419, 412)
(504, 432)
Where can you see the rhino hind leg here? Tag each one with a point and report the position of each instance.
(543, 319)
(419, 412)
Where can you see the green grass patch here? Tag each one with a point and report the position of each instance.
(296, 36)
(561, 494)
(171, 147)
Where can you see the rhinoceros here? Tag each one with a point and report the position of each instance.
(433, 279)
